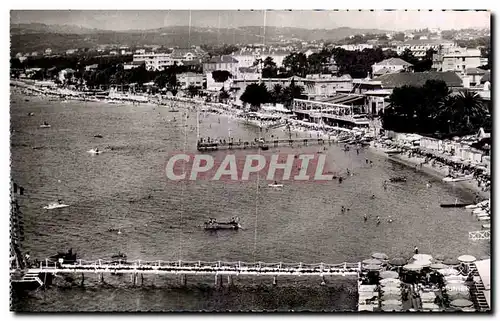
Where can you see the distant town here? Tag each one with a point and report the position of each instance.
(360, 70)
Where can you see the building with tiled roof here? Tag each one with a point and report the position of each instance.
(221, 63)
(391, 65)
(394, 80)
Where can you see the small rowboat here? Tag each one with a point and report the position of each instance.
(275, 185)
(53, 206)
(45, 126)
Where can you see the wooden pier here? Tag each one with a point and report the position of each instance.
(185, 268)
(276, 143)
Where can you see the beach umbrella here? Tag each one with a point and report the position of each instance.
(466, 258)
(423, 263)
(451, 261)
(438, 266)
(392, 308)
(392, 302)
(380, 256)
(389, 275)
(391, 296)
(422, 257)
(372, 262)
(367, 288)
(412, 267)
(372, 267)
(461, 303)
(429, 306)
(389, 281)
(391, 287)
(397, 261)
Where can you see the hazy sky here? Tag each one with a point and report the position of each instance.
(133, 19)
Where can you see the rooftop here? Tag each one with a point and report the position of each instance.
(222, 59)
(393, 62)
(475, 71)
(418, 79)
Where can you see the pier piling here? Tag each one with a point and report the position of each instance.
(275, 280)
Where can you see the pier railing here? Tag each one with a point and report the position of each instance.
(198, 267)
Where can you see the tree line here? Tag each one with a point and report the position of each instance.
(434, 110)
(257, 94)
(357, 64)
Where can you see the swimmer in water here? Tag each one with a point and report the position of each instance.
(389, 220)
(429, 185)
(373, 197)
(365, 218)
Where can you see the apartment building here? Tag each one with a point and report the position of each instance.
(154, 61)
(460, 59)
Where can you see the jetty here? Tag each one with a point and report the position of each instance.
(276, 143)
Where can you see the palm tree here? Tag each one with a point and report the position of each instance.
(277, 93)
(464, 112)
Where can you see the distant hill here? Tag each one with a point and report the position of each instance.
(38, 37)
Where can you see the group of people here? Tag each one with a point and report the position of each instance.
(482, 178)
(378, 219)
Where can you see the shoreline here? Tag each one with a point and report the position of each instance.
(439, 173)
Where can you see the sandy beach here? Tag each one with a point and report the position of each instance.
(435, 171)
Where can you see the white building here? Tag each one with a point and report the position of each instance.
(472, 77)
(359, 47)
(390, 65)
(419, 48)
(460, 59)
(326, 85)
(154, 61)
(190, 79)
(247, 58)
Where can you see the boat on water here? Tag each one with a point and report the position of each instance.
(120, 257)
(482, 215)
(55, 205)
(213, 225)
(67, 258)
(393, 151)
(45, 125)
(455, 205)
(397, 179)
(486, 226)
(95, 151)
(275, 185)
(484, 218)
(458, 179)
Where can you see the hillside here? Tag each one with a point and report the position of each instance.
(38, 37)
